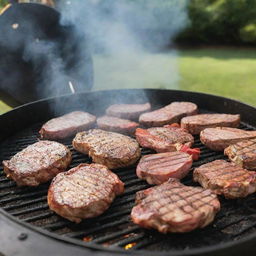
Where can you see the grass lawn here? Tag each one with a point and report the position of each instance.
(229, 72)
(226, 72)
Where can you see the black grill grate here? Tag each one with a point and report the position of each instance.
(114, 229)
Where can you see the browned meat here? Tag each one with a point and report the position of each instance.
(38, 163)
(128, 111)
(195, 124)
(163, 139)
(243, 153)
(115, 124)
(174, 207)
(169, 114)
(111, 149)
(67, 125)
(221, 137)
(158, 168)
(85, 191)
(226, 178)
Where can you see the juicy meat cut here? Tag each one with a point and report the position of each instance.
(128, 111)
(174, 207)
(219, 138)
(38, 163)
(85, 191)
(158, 168)
(226, 178)
(115, 124)
(109, 148)
(195, 124)
(67, 125)
(169, 114)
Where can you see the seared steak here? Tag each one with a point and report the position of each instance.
(195, 124)
(174, 207)
(67, 125)
(226, 178)
(128, 111)
(221, 137)
(243, 153)
(111, 149)
(158, 168)
(171, 113)
(115, 124)
(38, 163)
(163, 139)
(85, 191)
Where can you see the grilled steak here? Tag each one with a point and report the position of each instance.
(243, 153)
(163, 139)
(195, 124)
(158, 168)
(226, 178)
(128, 111)
(85, 191)
(174, 207)
(38, 163)
(171, 113)
(221, 137)
(67, 125)
(115, 124)
(111, 149)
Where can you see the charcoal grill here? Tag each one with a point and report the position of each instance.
(28, 227)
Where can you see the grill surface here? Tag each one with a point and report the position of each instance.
(113, 229)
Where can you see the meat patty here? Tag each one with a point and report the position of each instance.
(67, 125)
(226, 178)
(115, 124)
(174, 207)
(195, 124)
(128, 111)
(38, 163)
(243, 153)
(109, 148)
(158, 168)
(169, 114)
(163, 139)
(221, 137)
(85, 191)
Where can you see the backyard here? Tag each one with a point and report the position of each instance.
(228, 72)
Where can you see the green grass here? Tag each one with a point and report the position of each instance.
(225, 72)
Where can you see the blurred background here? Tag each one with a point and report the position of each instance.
(196, 45)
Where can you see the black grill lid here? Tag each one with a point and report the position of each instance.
(233, 230)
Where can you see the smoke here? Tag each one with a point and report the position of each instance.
(126, 38)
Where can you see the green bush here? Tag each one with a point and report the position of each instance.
(220, 21)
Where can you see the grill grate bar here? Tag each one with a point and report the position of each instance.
(31, 210)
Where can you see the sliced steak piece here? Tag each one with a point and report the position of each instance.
(158, 168)
(174, 207)
(195, 124)
(38, 163)
(163, 139)
(221, 137)
(243, 153)
(85, 191)
(67, 125)
(111, 149)
(171, 113)
(128, 111)
(115, 124)
(226, 178)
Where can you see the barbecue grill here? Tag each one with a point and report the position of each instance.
(29, 227)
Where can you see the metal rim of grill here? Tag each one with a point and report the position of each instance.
(113, 230)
